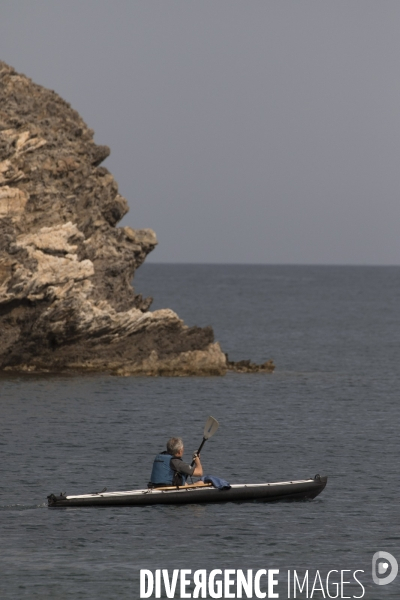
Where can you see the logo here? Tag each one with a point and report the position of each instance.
(380, 565)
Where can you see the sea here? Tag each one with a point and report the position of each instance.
(331, 407)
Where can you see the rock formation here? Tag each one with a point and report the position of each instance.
(246, 366)
(66, 299)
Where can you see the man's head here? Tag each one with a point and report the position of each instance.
(175, 446)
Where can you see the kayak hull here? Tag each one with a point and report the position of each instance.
(305, 489)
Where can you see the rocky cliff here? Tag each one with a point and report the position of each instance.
(66, 299)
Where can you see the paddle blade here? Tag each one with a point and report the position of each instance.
(210, 428)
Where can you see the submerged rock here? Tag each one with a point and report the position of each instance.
(66, 299)
(246, 366)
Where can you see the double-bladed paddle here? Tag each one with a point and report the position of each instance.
(210, 428)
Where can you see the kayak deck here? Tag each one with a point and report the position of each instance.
(302, 489)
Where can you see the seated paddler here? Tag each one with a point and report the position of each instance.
(169, 468)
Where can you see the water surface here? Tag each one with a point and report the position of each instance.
(331, 407)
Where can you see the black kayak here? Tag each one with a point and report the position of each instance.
(304, 489)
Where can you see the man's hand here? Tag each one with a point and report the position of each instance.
(195, 455)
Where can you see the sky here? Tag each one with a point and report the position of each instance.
(264, 132)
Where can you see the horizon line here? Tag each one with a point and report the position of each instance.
(250, 264)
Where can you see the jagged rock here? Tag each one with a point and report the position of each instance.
(246, 366)
(66, 299)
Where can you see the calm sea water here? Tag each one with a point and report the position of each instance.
(332, 407)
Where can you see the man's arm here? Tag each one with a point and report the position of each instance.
(198, 469)
(182, 467)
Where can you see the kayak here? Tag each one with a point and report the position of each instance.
(303, 489)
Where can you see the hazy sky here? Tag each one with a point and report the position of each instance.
(265, 131)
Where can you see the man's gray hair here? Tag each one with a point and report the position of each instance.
(174, 445)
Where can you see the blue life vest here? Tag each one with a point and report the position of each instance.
(162, 472)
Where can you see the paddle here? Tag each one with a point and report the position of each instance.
(210, 428)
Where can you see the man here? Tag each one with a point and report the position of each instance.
(169, 468)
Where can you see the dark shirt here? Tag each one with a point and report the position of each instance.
(178, 465)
